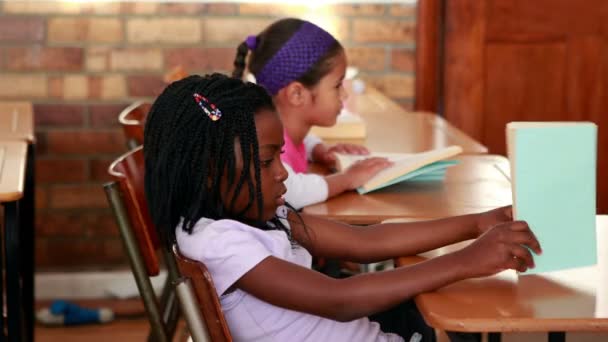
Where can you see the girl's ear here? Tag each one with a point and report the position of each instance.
(296, 94)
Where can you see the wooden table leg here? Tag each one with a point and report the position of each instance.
(28, 242)
(13, 277)
(557, 336)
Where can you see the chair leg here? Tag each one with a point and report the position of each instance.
(137, 264)
(190, 310)
(169, 302)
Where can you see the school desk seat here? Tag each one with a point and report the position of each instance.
(127, 200)
(200, 303)
(132, 119)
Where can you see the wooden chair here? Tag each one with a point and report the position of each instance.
(126, 197)
(132, 119)
(206, 320)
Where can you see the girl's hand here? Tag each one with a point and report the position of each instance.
(348, 149)
(489, 219)
(505, 246)
(325, 155)
(363, 170)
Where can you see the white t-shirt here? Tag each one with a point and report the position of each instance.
(230, 249)
(305, 188)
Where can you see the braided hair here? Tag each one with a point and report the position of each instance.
(187, 154)
(270, 41)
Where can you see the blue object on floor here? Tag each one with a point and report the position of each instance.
(74, 314)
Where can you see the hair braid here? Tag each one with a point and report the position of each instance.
(188, 155)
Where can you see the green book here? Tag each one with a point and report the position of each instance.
(553, 175)
(405, 166)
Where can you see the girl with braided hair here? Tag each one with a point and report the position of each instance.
(214, 184)
(302, 67)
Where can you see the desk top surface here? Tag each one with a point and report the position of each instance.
(390, 128)
(571, 300)
(16, 120)
(13, 156)
(478, 183)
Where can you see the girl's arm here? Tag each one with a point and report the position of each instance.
(287, 285)
(331, 239)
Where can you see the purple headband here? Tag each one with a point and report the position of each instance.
(251, 42)
(295, 57)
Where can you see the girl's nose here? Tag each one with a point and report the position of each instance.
(282, 173)
(343, 93)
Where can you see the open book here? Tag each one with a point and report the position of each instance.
(348, 126)
(553, 170)
(424, 166)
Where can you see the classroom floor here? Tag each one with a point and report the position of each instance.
(131, 325)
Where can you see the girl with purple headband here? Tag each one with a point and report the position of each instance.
(214, 184)
(302, 67)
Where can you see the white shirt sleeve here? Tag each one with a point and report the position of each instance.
(304, 188)
(310, 141)
(228, 249)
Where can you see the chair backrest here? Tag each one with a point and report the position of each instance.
(133, 119)
(128, 172)
(206, 295)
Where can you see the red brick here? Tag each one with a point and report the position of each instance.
(199, 8)
(59, 224)
(367, 58)
(58, 114)
(105, 115)
(45, 58)
(23, 86)
(140, 7)
(85, 142)
(55, 87)
(114, 252)
(76, 254)
(208, 59)
(21, 29)
(62, 223)
(145, 85)
(41, 143)
(60, 170)
(358, 9)
(103, 224)
(77, 197)
(100, 7)
(95, 87)
(99, 169)
(378, 30)
(403, 10)
(274, 9)
(403, 60)
(42, 197)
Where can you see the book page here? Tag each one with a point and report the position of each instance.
(403, 163)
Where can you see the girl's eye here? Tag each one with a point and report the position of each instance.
(266, 163)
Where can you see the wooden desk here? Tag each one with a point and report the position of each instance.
(477, 184)
(390, 128)
(16, 121)
(17, 125)
(13, 157)
(572, 300)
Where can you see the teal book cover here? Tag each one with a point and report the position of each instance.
(431, 172)
(553, 168)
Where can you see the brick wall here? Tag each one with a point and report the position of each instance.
(81, 63)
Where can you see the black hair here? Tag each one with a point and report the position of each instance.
(187, 153)
(270, 41)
